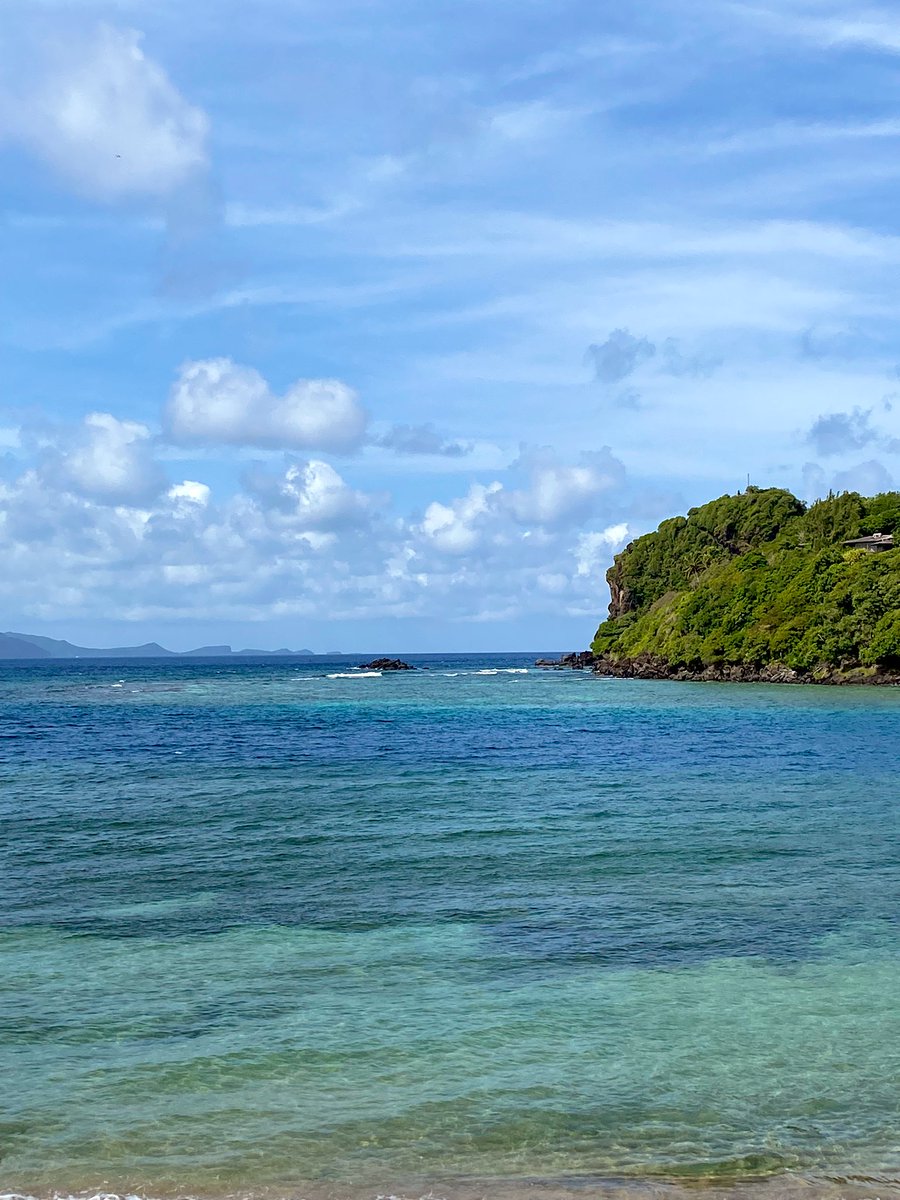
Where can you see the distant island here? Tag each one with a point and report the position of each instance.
(33, 646)
(759, 587)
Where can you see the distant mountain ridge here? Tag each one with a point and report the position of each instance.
(35, 646)
(13, 647)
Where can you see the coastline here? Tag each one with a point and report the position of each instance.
(784, 1186)
(652, 666)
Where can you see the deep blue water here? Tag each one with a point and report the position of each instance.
(264, 925)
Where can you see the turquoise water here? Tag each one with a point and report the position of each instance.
(264, 927)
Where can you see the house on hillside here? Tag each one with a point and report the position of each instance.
(872, 542)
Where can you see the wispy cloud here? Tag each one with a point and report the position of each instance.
(791, 135)
(829, 25)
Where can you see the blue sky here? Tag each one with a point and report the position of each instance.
(384, 325)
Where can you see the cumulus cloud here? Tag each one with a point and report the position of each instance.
(868, 478)
(553, 497)
(421, 439)
(309, 545)
(310, 496)
(95, 525)
(836, 433)
(559, 494)
(216, 401)
(815, 482)
(622, 354)
(190, 492)
(106, 118)
(111, 461)
(458, 527)
(593, 549)
(842, 432)
(619, 356)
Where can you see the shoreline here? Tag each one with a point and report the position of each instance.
(853, 1185)
(651, 666)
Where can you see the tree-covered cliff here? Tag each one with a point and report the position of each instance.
(759, 579)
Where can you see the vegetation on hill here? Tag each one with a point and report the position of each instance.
(756, 579)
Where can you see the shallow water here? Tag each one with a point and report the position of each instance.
(278, 924)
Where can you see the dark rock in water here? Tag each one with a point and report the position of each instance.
(581, 660)
(651, 666)
(386, 664)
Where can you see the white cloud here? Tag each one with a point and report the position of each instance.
(216, 401)
(310, 496)
(791, 135)
(111, 461)
(302, 541)
(829, 25)
(190, 492)
(526, 122)
(554, 497)
(107, 119)
(456, 528)
(593, 549)
(879, 31)
(560, 494)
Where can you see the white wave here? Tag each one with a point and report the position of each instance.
(78, 1196)
(355, 675)
(489, 671)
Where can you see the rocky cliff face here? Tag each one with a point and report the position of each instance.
(621, 600)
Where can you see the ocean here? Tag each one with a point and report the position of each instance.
(282, 927)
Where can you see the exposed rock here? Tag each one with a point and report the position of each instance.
(581, 660)
(386, 664)
(621, 600)
(650, 666)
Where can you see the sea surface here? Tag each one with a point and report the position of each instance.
(287, 926)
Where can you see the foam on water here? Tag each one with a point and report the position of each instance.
(354, 675)
(787, 1187)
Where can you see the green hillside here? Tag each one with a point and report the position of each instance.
(758, 579)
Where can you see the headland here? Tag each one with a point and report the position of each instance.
(758, 588)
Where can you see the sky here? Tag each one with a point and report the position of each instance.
(382, 325)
